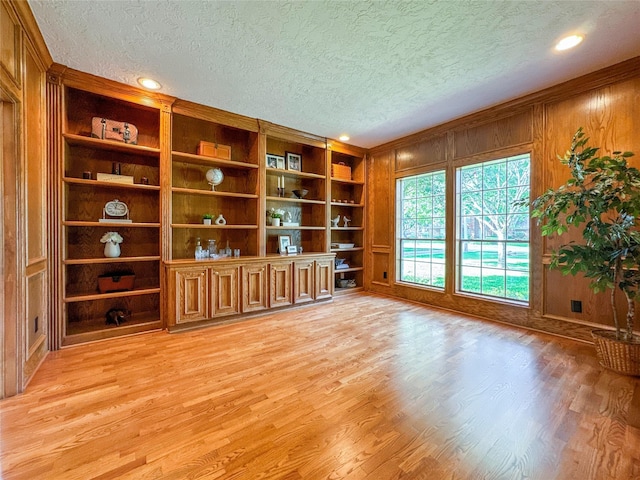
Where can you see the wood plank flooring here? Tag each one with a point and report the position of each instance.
(365, 387)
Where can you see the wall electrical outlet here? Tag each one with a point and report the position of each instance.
(576, 306)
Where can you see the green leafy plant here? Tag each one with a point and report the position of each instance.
(602, 197)
(207, 216)
(275, 213)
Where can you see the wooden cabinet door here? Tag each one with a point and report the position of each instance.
(280, 284)
(254, 287)
(192, 299)
(324, 279)
(303, 289)
(224, 291)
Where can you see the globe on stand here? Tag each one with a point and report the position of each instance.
(214, 177)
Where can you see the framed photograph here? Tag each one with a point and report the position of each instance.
(284, 241)
(292, 250)
(275, 161)
(294, 161)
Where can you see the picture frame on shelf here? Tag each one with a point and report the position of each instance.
(284, 241)
(292, 250)
(294, 161)
(275, 161)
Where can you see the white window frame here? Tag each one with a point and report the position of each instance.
(480, 231)
(430, 238)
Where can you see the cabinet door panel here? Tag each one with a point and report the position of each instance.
(324, 279)
(254, 288)
(224, 291)
(280, 285)
(192, 299)
(303, 290)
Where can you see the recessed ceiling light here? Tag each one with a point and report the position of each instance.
(569, 42)
(344, 138)
(149, 83)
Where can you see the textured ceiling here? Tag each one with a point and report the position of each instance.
(375, 70)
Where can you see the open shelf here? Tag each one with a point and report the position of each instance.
(92, 261)
(236, 198)
(102, 296)
(74, 223)
(347, 228)
(84, 199)
(298, 227)
(295, 174)
(348, 201)
(212, 161)
(109, 185)
(110, 145)
(354, 249)
(350, 269)
(346, 182)
(295, 200)
(214, 227)
(347, 290)
(96, 328)
(213, 193)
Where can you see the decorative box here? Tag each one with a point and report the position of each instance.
(116, 282)
(341, 171)
(209, 149)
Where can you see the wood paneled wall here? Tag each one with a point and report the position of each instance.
(23, 183)
(379, 218)
(606, 103)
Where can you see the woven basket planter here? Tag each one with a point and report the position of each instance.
(617, 355)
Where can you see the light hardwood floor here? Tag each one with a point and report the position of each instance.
(365, 387)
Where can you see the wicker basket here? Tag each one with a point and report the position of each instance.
(617, 355)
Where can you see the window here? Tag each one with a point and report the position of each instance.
(422, 229)
(492, 238)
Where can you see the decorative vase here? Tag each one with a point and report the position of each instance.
(111, 249)
(275, 222)
(221, 220)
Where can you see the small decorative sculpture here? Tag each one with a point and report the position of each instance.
(287, 216)
(221, 220)
(117, 316)
(334, 221)
(346, 221)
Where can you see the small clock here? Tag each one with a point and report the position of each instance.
(115, 211)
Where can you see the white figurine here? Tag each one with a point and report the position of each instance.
(334, 221)
(220, 220)
(346, 221)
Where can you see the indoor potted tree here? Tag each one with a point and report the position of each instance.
(602, 197)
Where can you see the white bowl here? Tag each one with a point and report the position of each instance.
(343, 245)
